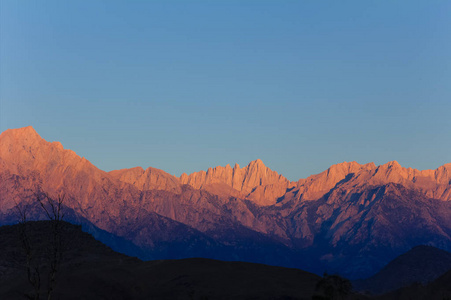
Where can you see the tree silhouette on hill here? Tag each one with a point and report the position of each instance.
(43, 258)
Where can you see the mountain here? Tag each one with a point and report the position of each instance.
(440, 287)
(351, 218)
(421, 264)
(255, 181)
(90, 270)
(149, 179)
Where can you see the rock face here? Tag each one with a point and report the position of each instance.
(351, 218)
(432, 183)
(316, 186)
(149, 179)
(255, 181)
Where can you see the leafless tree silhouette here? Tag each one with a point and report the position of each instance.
(32, 267)
(47, 260)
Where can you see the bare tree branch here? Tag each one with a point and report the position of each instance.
(53, 209)
(33, 272)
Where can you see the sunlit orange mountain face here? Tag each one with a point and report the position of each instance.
(350, 219)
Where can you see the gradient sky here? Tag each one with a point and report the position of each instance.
(185, 85)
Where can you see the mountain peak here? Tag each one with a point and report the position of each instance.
(26, 129)
(391, 165)
(24, 138)
(391, 170)
(346, 164)
(258, 162)
(344, 168)
(27, 132)
(370, 165)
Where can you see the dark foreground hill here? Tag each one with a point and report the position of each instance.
(91, 270)
(439, 289)
(421, 264)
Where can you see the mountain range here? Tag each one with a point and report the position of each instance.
(352, 218)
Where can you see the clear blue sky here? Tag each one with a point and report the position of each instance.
(185, 85)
